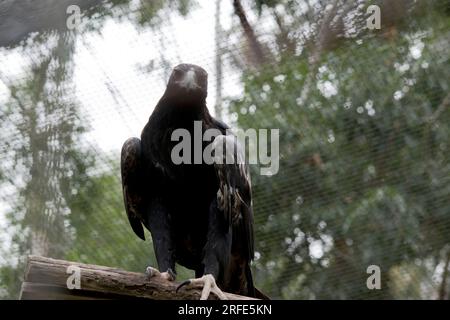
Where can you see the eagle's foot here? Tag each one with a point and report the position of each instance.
(168, 275)
(209, 285)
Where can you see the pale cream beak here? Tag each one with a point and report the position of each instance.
(189, 81)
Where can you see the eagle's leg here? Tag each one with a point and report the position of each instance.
(209, 285)
(217, 253)
(159, 226)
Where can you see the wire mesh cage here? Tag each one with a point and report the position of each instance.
(363, 173)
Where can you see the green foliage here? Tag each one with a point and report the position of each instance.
(9, 286)
(153, 13)
(363, 170)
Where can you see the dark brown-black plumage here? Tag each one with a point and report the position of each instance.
(183, 206)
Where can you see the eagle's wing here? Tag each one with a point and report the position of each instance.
(131, 170)
(234, 196)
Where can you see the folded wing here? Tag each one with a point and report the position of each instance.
(234, 196)
(132, 176)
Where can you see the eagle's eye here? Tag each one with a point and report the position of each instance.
(177, 73)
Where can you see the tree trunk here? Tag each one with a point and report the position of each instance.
(255, 46)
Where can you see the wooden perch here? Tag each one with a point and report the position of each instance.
(47, 278)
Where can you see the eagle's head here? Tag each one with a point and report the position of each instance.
(188, 82)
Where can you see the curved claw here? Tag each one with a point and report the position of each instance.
(184, 283)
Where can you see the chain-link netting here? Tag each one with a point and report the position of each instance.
(362, 111)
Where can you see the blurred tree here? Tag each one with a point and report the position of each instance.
(43, 129)
(64, 208)
(363, 162)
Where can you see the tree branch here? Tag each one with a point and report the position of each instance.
(47, 278)
(255, 45)
(444, 104)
